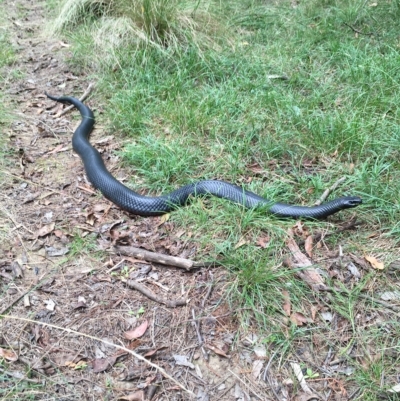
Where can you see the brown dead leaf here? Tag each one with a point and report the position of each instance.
(216, 350)
(314, 310)
(375, 263)
(255, 168)
(286, 304)
(242, 241)
(153, 351)
(308, 245)
(299, 319)
(256, 369)
(65, 358)
(136, 396)
(58, 233)
(137, 332)
(45, 230)
(101, 364)
(263, 241)
(58, 149)
(8, 354)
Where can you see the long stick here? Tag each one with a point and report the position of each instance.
(138, 356)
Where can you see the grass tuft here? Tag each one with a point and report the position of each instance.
(112, 25)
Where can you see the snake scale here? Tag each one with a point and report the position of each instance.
(133, 202)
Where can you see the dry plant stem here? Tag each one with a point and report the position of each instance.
(357, 31)
(196, 326)
(308, 273)
(138, 356)
(159, 258)
(203, 302)
(246, 385)
(82, 98)
(16, 228)
(19, 297)
(329, 190)
(20, 377)
(149, 294)
(266, 375)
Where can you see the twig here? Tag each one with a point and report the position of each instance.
(329, 190)
(149, 294)
(82, 98)
(16, 228)
(36, 286)
(300, 377)
(266, 375)
(308, 273)
(203, 302)
(242, 381)
(160, 258)
(196, 326)
(20, 376)
(357, 31)
(138, 356)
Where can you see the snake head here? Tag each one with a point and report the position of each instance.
(351, 201)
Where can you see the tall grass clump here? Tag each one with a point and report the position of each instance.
(112, 25)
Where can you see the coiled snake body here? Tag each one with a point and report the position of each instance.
(133, 202)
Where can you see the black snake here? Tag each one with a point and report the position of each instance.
(131, 201)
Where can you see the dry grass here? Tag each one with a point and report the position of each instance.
(111, 25)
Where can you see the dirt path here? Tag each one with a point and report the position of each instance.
(58, 266)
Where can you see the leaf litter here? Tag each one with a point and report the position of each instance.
(89, 294)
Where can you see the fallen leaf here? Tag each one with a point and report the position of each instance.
(241, 242)
(260, 351)
(50, 304)
(327, 316)
(286, 304)
(257, 367)
(314, 310)
(163, 219)
(45, 230)
(375, 263)
(308, 245)
(263, 241)
(101, 364)
(183, 361)
(352, 268)
(299, 319)
(390, 295)
(137, 332)
(395, 389)
(300, 377)
(58, 149)
(51, 251)
(216, 350)
(136, 396)
(153, 351)
(8, 354)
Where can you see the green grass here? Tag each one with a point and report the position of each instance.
(191, 113)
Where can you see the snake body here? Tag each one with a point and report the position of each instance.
(133, 202)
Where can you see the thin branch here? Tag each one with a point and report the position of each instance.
(203, 302)
(82, 98)
(149, 294)
(196, 326)
(246, 384)
(329, 190)
(160, 258)
(138, 356)
(357, 31)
